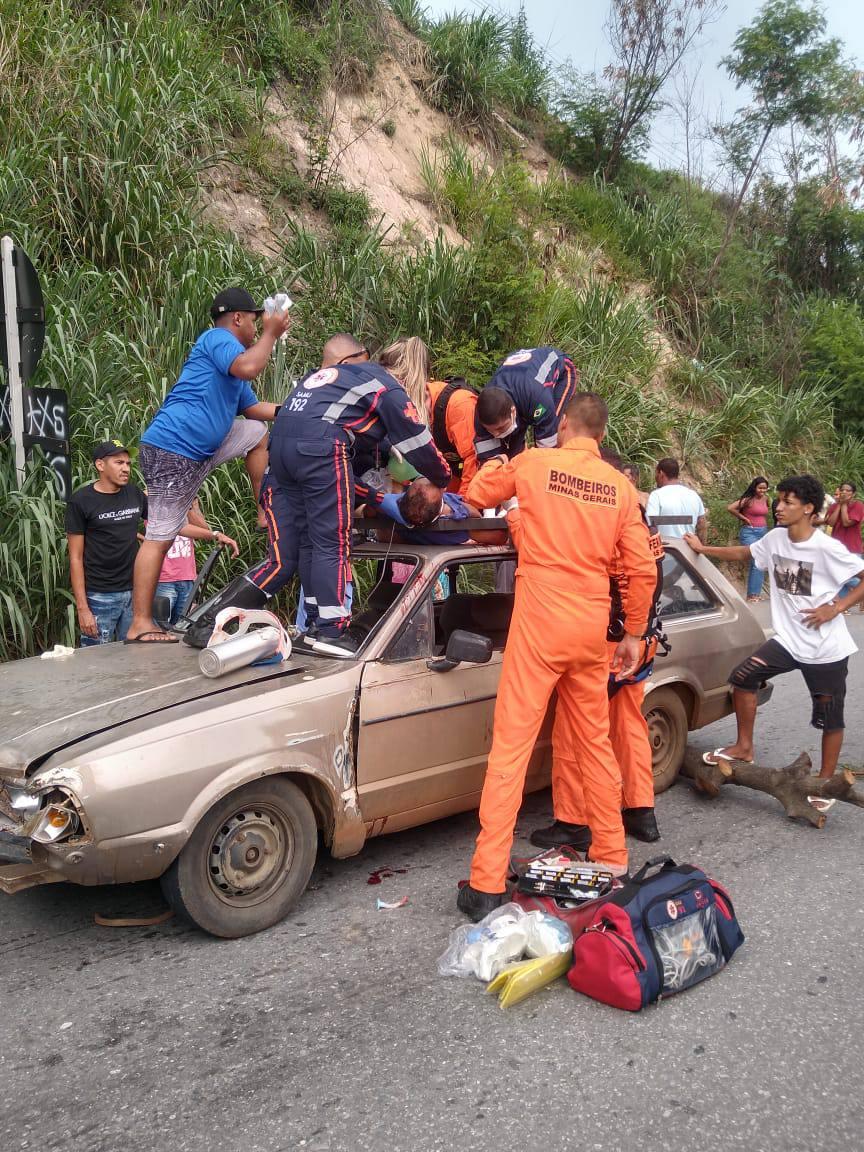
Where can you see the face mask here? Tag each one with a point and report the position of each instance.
(513, 425)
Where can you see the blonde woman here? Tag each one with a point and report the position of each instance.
(408, 360)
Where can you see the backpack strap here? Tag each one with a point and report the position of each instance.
(439, 422)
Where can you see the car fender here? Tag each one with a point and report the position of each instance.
(684, 683)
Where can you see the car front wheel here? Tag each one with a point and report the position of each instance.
(248, 860)
(667, 732)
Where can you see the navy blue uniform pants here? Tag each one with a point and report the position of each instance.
(308, 502)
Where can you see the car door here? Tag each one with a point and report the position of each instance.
(424, 736)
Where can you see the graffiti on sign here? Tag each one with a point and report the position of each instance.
(46, 426)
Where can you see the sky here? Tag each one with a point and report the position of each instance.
(573, 30)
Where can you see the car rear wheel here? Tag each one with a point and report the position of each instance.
(666, 717)
(248, 861)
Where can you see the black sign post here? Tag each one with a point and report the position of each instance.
(35, 417)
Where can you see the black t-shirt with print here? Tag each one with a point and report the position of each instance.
(108, 521)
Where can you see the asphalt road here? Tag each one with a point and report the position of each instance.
(333, 1030)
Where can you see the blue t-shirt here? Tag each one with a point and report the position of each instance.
(197, 413)
(390, 507)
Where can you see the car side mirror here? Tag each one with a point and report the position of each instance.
(462, 648)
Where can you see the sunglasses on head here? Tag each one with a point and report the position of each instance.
(354, 355)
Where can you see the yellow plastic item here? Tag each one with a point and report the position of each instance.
(518, 981)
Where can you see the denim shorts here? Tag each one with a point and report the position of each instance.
(113, 612)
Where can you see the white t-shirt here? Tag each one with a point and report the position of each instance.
(675, 500)
(805, 576)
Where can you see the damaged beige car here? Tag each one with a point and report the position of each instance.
(123, 763)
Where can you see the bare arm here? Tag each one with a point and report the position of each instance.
(253, 361)
(196, 532)
(735, 552)
(261, 411)
(735, 509)
(86, 619)
(813, 617)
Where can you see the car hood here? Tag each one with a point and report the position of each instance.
(49, 704)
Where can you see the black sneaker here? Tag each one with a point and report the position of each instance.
(303, 642)
(641, 823)
(476, 904)
(345, 647)
(577, 836)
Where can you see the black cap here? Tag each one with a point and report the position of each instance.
(233, 300)
(108, 448)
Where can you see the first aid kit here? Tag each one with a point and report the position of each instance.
(668, 928)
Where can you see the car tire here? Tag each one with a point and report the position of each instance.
(247, 862)
(666, 717)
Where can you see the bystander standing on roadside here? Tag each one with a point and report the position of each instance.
(102, 522)
(673, 508)
(752, 509)
(845, 518)
(806, 567)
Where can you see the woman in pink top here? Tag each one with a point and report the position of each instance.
(845, 517)
(752, 509)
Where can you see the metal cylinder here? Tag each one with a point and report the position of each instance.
(239, 652)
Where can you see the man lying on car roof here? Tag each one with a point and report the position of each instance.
(421, 505)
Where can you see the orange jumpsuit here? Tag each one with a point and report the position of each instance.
(459, 425)
(628, 733)
(575, 510)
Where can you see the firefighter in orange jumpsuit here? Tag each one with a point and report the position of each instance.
(452, 405)
(630, 743)
(575, 511)
(628, 733)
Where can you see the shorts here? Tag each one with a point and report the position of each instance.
(826, 682)
(174, 481)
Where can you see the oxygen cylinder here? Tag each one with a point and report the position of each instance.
(239, 652)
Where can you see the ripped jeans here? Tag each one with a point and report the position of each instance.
(826, 682)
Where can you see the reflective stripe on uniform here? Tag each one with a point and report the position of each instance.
(543, 370)
(547, 442)
(424, 437)
(332, 414)
(487, 445)
(331, 612)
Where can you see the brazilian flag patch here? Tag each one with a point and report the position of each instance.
(539, 411)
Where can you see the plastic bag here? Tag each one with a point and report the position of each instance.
(506, 934)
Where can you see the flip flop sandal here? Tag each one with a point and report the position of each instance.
(141, 638)
(718, 755)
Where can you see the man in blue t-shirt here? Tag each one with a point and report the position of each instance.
(197, 428)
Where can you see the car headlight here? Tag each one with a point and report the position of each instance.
(20, 800)
(57, 821)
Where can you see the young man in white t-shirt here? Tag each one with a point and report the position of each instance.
(673, 508)
(806, 568)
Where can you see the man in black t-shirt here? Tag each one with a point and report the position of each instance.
(102, 521)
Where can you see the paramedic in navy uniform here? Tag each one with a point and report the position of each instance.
(529, 390)
(309, 503)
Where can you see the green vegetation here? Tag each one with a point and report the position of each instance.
(115, 114)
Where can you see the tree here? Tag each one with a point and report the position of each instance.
(585, 117)
(649, 38)
(795, 73)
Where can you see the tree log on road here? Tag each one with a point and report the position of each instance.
(790, 785)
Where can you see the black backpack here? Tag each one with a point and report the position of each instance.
(439, 422)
